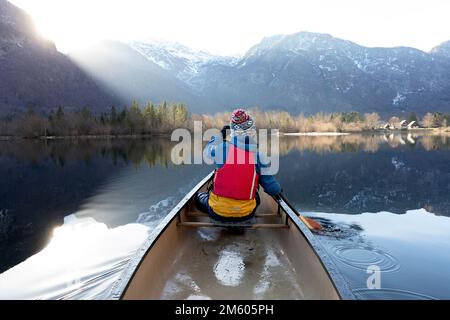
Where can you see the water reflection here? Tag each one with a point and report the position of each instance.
(363, 142)
(129, 151)
(81, 261)
(354, 174)
(112, 181)
(157, 151)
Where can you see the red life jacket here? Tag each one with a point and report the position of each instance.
(237, 178)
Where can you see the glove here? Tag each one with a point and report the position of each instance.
(224, 131)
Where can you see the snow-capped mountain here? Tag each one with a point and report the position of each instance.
(310, 72)
(183, 62)
(442, 50)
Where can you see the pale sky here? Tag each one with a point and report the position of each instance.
(233, 26)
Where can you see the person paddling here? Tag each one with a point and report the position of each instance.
(234, 194)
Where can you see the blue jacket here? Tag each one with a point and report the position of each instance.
(216, 150)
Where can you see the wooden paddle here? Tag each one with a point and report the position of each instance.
(309, 222)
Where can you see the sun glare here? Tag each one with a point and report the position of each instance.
(233, 26)
(66, 39)
(69, 24)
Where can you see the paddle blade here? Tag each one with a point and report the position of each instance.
(311, 223)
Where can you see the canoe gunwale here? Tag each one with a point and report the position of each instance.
(120, 286)
(338, 281)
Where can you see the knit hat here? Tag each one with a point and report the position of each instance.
(241, 122)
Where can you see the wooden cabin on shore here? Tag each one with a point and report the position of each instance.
(413, 125)
(402, 125)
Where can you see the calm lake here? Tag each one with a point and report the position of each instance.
(72, 213)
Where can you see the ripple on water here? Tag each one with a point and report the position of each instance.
(362, 256)
(390, 294)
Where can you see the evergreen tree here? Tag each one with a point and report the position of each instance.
(438, 119)
(59, 125)
(113, 117)
(123, 116)
(59, 113)
(86, 112)
(51, 116)
(161, 115)
(135, 119)
(102, 119)
(412, 117)
(164, 112)
(135, 106)
(149, 116)
(350, 117)
(181, 114)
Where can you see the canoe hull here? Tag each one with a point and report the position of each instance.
(182, 262)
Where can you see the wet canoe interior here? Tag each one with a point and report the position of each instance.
(218, 263)
(251, 265)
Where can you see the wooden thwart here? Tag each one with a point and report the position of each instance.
(258, 215)
(220, 225)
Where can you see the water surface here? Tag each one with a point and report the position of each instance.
(74, 212)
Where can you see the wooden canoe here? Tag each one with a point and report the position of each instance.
(189, 257)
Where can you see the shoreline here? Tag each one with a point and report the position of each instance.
(432, 131)
(88, 137)
(315, 134)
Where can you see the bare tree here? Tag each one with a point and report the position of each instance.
(371, 120)
(428, 120)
